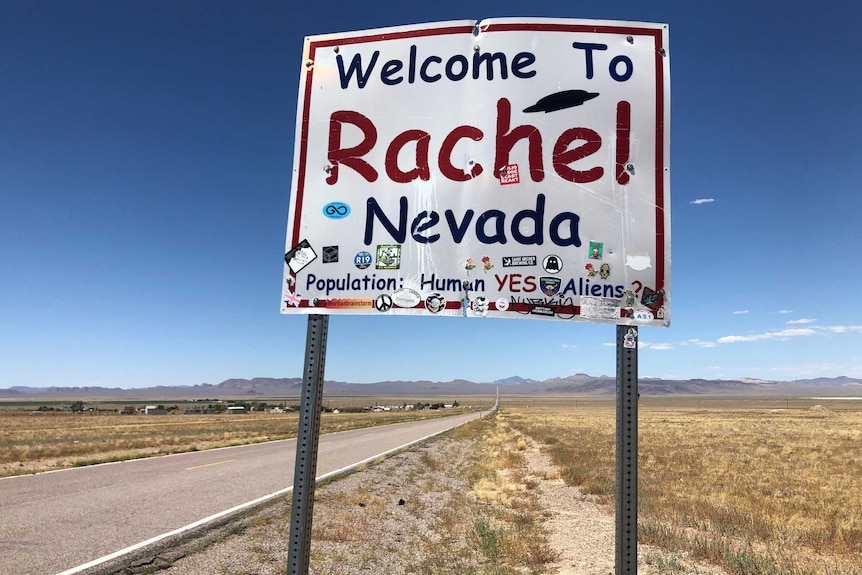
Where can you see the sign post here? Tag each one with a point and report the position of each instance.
(305, 465)
(626, 535)
(522, 162)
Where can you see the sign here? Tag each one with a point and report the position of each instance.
(512, 168)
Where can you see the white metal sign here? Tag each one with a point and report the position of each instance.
(511, 168)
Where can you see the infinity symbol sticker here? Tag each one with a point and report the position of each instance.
(336, 210)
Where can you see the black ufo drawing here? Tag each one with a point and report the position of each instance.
(561, 101)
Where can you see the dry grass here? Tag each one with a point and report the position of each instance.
(756, 491)
(54, 440)
(414, 512)
(466, 511)
(511, 535)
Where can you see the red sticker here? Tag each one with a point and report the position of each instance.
(510, 175)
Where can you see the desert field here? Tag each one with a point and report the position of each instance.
(757, 490)
(764, 486)
(57, 440)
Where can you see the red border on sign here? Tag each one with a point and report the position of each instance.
(303, 147)
(655, 33)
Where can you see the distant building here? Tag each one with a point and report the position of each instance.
(153, 410)
(236, 409)
(198, 410)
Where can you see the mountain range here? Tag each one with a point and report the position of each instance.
(578, 384)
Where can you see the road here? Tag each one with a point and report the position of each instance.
(64, 521)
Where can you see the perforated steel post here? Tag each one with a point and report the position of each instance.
(302, 508)
(626, 537)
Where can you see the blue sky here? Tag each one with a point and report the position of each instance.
(145, 172)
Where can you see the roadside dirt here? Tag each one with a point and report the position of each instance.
(414, 512)
(582, 532)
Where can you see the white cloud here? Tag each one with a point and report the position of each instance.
(785, 311)
(673, 344)
(780, 335)
(784, 333)
(843, 328)
(740, 312)
(801, 321)
(569, 346)
(659, 346)
(699, 201)
(698, 343)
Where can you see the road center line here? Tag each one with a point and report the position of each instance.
(210, 464)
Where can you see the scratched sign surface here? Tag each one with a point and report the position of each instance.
(508, 168)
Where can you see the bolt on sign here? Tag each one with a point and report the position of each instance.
(510, 168)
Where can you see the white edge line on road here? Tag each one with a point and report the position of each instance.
(158, 538)
(385, 453)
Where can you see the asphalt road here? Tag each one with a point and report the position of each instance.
(65, 521)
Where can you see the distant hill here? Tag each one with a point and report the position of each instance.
(578, 384)
(512, 380)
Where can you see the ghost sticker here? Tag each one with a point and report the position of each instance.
(552, 264)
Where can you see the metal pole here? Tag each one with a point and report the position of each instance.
(626, 537)
(302, 507)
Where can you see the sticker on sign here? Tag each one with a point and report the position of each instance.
(520, 143)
